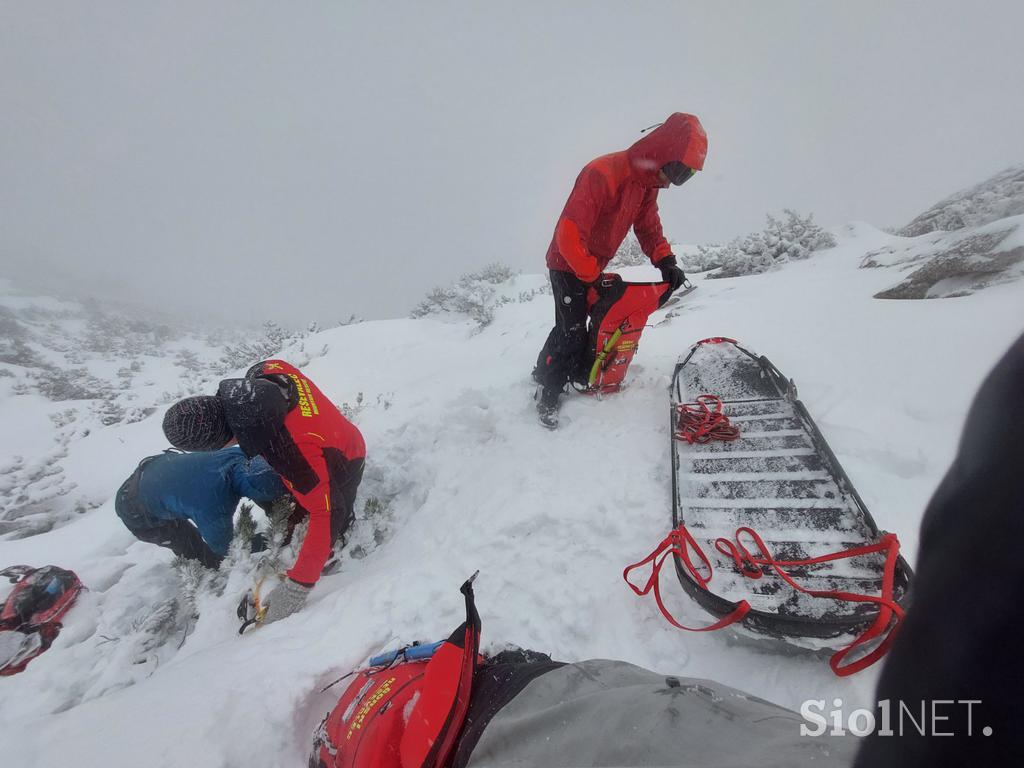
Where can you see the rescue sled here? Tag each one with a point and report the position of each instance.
(766, 499)
(30, 616)
(618, 313)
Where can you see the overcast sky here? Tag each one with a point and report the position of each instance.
(316, 159)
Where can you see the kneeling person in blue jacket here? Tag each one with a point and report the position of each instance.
(185, 501)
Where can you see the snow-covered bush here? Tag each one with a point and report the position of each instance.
(246, 353)
(68, 384)
(474, 295)
(792, 239)
(630, 254)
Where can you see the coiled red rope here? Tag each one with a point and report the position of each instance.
(704, 421)
(750, 564)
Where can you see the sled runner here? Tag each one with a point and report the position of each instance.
(618, 313)
(30, 617)
(769, 532)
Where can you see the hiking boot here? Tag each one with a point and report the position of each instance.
(547, 407)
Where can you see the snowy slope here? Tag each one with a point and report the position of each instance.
(463, 478)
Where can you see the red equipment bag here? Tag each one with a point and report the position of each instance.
(30, 616)
(618, 314)
(404, 714)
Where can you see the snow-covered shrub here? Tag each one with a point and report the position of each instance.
(189, 360)
(14, 348)
(242, 355)
(68, 384)
(495, 274)
(16, 352)
(109, 412)
(792, 239)
(474, 295)
(351, 411)
(377, 517)
(353, 319)
(113, 336)
(630, 254)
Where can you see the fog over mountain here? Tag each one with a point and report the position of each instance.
(255, 161)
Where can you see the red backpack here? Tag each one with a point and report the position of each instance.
(618, 313)
(406, 709)
(30, 616)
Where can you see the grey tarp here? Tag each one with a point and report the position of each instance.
(610, 713)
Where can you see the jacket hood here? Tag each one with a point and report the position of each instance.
(681, 137)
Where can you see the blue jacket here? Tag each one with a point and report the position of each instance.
(205, 487)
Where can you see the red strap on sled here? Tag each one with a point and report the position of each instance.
(680, 542)
(750, 565)
(699, 423)
(716, 340)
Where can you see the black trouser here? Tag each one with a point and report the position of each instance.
(179, 536)
(564, 354)
(346, 474)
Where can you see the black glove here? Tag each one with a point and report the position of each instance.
(671, 273)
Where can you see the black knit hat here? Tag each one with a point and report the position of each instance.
(197, 424)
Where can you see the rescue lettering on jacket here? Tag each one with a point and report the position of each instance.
(307, 404)
(364, 711)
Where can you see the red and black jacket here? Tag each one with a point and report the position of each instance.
(276, 412)
(619, 191)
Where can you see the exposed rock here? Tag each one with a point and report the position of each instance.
(953, 264)
(996, 198)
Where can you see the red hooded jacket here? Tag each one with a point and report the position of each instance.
(307, 441)
(619, 191)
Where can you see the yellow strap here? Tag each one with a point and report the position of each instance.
(599, 362)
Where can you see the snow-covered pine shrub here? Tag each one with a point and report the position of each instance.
(243, 355)
(245, 524)
(494, 273)
(16, 352)
(350, 411)
(109, 411)
(473, 294)
(189, 360)
(708, 257)
(114, 336)
(67, 384)
(795, 238)
(630, 254)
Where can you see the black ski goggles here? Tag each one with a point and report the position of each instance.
(677, 173)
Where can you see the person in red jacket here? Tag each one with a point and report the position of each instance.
(276, 412)
(611, 194)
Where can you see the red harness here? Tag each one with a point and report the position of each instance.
(749, 563)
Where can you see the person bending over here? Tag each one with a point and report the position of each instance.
(186, 501)
(279, 414)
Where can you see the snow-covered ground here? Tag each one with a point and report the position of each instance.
(464, 478)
